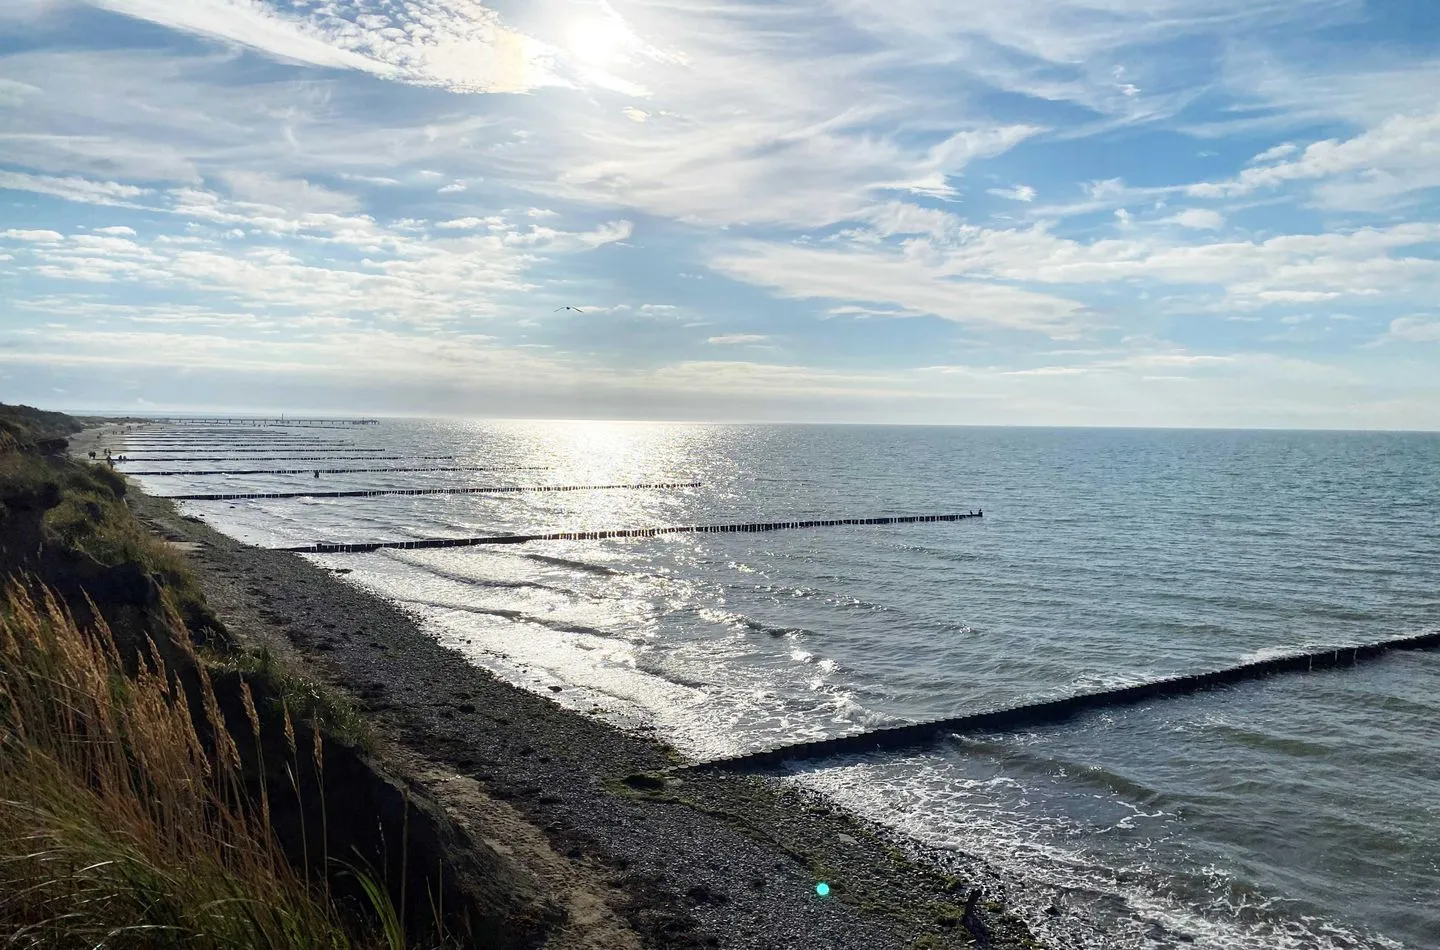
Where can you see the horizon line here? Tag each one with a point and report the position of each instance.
(432, 417)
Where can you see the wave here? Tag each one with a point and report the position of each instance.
(1266, 742)
(518, 616)
(471, 580)
(986, 826)
(585, 566)
(732, 619)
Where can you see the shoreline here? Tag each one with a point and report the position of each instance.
(710, 860)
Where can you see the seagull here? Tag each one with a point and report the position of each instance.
(576, 309)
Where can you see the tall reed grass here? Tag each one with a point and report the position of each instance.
(124, 816)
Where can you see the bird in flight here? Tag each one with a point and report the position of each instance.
(576, 309)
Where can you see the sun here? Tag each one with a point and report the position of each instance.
(598, 41)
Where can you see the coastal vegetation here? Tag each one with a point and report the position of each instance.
(160, 786)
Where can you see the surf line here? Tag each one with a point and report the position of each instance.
(335, 471)
(364, 547)
(372, 493)
(1031, 715)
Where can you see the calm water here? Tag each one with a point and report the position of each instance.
(1297, 812)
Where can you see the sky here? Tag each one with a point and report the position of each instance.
(1035, 212)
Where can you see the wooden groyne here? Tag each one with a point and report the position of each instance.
(241, 442)
(364, 547)
(290, 458)
(1050, 712)
(227, 435)
(375, 493)
(284, 445)
(236, 439)
(259, 421)
(241, 455)
(335, 471)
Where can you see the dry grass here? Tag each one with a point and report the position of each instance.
(124, 819)
(127, 817)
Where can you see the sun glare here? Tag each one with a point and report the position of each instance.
(598, 41)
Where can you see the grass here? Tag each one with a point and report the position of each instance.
(302, 696)
(38, 423)
(124, 819)
(92, 521)
(127, 816)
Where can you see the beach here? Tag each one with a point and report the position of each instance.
(637, 859)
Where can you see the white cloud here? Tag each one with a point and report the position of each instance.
(461, 46)
(1067, 51)
(12, 93)
(117, 230)
(607, 233)
(736, 339)
(968, 273)
(293, 195)
(1199, 219)
(1286, 93)
(249, 23)
(1414, 329)
(771, 380)
(1048, 371)
(71, 189)
(1283, 150)
(467, 224)
(1399, 156)
(402, 276)
(915, 287)
(38, 236)
(1017, 193)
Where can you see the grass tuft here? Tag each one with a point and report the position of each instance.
(123, 815)
(301, 697)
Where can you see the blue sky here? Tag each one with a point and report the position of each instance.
(1069, 212)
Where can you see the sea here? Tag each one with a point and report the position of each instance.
(1299, 811)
